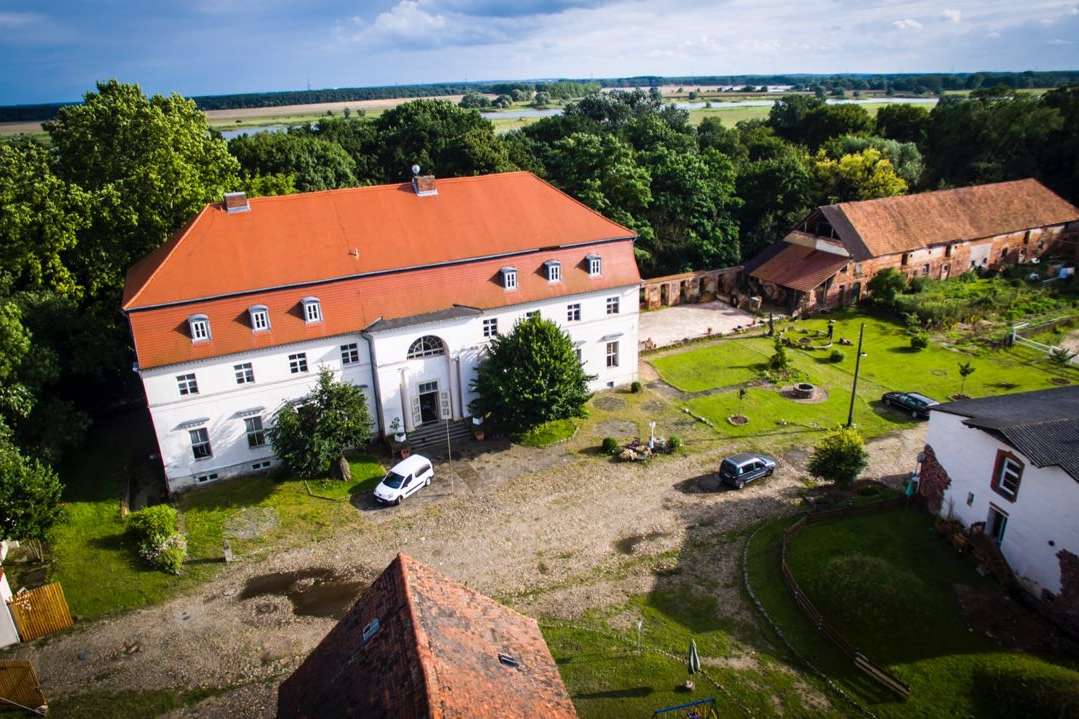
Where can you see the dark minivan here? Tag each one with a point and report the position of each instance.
(740, 469)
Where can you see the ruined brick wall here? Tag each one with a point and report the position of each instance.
(1068, 599)
(933, 480)
(690, 287)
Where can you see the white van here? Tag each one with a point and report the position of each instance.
(405, 479)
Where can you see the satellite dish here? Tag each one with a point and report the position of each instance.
(415, 169)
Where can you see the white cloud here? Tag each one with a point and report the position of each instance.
(952, 15)
(907, 24)
(18, 19)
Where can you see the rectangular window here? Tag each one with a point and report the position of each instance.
(297, 363)
(187, 385)
(554, 271)
(350, 353)
(1008, 474)
(206, 477)
(312, 310)
(573, 312)
(490, 327)
(906, 259)
(533, 313)
(612, 354)
(200, 330)
(256, 436)
(595, 266)
(509, 278)
(200, 443)
(925, 269)
(260, 319)
(612, 305)
(577, 351)
(245, 373)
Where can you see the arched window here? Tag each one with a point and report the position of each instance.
(427, 346)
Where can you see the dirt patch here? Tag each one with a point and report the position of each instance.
(609, 403)
(617, 428)
(654, 405)
(314, 592)
(993, 613)
(251, 523)
(629, 545)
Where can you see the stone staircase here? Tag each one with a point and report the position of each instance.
(434, 433)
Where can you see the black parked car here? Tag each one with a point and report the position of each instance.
(740, 469)
(917, 404)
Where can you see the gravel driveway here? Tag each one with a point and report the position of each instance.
(552, 541)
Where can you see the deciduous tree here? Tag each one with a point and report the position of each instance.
(840, 457)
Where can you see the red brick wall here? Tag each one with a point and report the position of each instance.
(933, 480)
(1068, 598)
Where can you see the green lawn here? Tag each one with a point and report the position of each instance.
(100, 572)
(548, 433)
(888, 364)
(608, 679)
(917, 631)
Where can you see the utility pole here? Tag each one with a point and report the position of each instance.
(854, 386)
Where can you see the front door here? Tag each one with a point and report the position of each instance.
(998, 522)
(428, 402)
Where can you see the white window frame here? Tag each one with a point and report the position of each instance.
(350, 353)
(509, 278)
(260, 318)
(426, 346)
(612, 354)
(554, 270)
(577, 351)
(297, 363)
(245, 373)
(312, 310)
(595, 265)
(256, 432)
(200, 437)
(1015, 474)
(490, 327)
(199, 326)
(614, 305)
(573, 312)
(187, 384)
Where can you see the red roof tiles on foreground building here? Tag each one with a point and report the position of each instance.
(418, 644)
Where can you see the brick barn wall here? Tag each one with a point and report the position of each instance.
(1068, 599)
(933, 480)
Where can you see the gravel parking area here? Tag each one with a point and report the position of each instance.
(670, 325)
(552, 532)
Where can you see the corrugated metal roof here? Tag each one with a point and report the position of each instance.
(1043, 425)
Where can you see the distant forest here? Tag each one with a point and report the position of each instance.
(890, 83)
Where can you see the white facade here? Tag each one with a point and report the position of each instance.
(218, 411)
(1041, 516)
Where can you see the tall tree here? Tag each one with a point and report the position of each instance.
(530, 376)
(788, 116)
(151, 163)
(863, 175)
(904, 156)
(313, 163)
(902, 122)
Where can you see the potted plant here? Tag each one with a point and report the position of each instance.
(398, 433)
(477, 429)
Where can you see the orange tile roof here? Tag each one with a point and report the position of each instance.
(162, 338)
(799, 268)
(872, 228)
(316, 236)
(435, 655)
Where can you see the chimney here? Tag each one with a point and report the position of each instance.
(423, 185)
(236, 202)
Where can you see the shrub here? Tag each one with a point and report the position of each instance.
(152, 525)
(1026, 688)
(635, 387)
(153, 530)
(886, 285)
(675, 442)
(840, 457)
(779, 361)
(917, 284)
(1060, 356)
(609, 445)
(836, 356)
(919, 341)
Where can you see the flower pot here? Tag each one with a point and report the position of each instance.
(399, 437)
(478, 434)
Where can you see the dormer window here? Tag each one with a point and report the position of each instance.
(509, 278)
(312, 310)
(595, 265)
(199, 326)
(554, 270)
(260, 318)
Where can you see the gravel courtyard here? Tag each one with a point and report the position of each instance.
(550, 532)
(670, 325)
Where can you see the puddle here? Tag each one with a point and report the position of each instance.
(628, 545)
(313, 592)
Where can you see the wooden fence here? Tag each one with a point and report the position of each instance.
(874, 671)
(40, 611)
(19, 687)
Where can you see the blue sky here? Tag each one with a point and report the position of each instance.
(55, 50)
